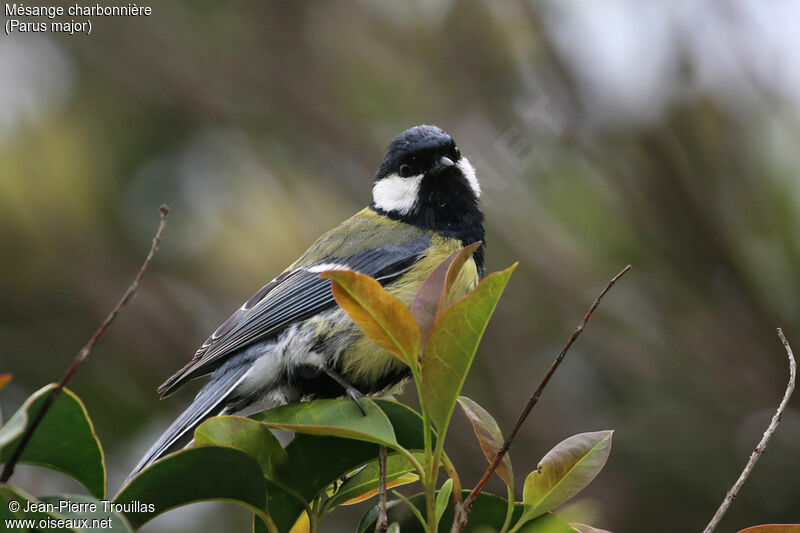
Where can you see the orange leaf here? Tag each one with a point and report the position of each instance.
(431, 298)
(384, 318)
(405, 479)
(773, 528)
(4, 379)
(489, 436)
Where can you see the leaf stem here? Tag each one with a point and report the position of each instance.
(268, 522)
(413, 509)
(429, 477)
(413, 460)
(509, 508)
(8, 469)
(453, 474)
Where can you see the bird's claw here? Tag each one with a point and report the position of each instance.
(356, 396)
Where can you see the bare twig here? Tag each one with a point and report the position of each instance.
(383, 520)
(762, 444)
(461, 521)
(8, 469)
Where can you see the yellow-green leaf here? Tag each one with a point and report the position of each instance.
(303, 524)
(384, 318)
(452, 345)
(442, 499)
(399, 481)
(364, 484)
(489, 436)
(488, 514)
(565, 471)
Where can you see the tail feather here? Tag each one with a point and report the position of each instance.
(208, 402)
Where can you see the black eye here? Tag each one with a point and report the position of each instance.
(405, 170)
(457, 152)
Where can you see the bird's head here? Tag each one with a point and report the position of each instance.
(424, 177)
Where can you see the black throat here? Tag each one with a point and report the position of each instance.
(447, 205)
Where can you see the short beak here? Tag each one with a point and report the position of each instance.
(444, 162)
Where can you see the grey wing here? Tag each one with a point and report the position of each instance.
(291, 297)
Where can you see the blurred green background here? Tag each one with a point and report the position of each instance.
(661, 134)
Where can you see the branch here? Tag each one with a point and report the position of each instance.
(462, 521)
(383, 520)
(776, 419)
(8, 469)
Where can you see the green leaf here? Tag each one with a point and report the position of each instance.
(393, 528)
(406, 422)
(98, 516)
(565, 471)
(193, 475)
(364, 484)
(65, 439)
(488, 513)
(489, 437)
(253, 438)
(316, 462)
(773, 528)
(11, 496)
(452, 345)
(433, 295)
(76, 513)
(384, 318)
(338, 417)
(443, 498)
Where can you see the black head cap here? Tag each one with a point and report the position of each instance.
(415, 141)
(424, 181)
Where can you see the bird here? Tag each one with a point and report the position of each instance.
(291, 342)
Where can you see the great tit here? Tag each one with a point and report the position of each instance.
(290, 341)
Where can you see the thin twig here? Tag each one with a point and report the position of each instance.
(8, 469)
(762, 444)
(458, 525)
(383, 520)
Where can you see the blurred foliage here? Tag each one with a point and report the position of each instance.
(658, 134)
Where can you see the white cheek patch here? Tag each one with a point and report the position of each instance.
(396, 194)
(468, 171)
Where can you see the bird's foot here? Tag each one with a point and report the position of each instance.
(351, 391)
(356, 396)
